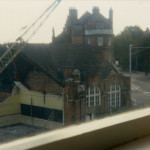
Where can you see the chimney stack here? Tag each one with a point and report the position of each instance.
(111, 17)
(95, 10)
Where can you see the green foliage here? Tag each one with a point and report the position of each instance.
(3, 48)
(136, 36)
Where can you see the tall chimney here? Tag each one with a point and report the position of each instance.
(95, 10)
(111, 17)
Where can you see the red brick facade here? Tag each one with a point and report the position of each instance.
(75, 109)
(93, 29)
(97, 31)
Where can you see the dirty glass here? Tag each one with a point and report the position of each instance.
(65, 62)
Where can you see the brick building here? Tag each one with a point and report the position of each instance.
(78, 66)
(93, 29)
(106, 89)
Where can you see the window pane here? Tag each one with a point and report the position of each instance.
(97, 90)
(113, 99)
(91, 90)
(92, 101)
(109, 41)
(100, 41)
(87, 102)
(89, 40)
(97, 100)
(109, 97)
(113, 87)
(87, 92)
(117, 87)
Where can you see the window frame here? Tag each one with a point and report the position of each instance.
(114, 96)
(89, 40)
(96, 93)
(100, 41)
(109, 41)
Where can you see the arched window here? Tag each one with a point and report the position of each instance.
(114, 96)
(93, 96)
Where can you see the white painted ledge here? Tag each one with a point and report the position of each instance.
(98, 134)
(98, 31)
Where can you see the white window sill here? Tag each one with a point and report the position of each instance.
(98, 134)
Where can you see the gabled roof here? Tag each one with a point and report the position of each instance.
(50, 58)
(58, 55)
(98, 17)
(84, 18)
(82, 57)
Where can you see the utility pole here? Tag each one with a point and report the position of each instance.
(136, 63)
(130, 59)
(139, 49)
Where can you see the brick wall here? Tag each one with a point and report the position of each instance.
(74, 105)
(104, 85)
(4, 95)
(39, 81)
(77, 40)
(74, 112)
(75, 36)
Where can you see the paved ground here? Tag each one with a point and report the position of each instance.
(18, 131)
(140, 86)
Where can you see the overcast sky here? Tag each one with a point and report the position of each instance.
(15, 14)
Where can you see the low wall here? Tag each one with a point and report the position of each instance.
(40, 122)
(10, 106)
(11, 113)
(39, 99)
(10, 120)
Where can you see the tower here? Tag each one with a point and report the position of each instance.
(72, 18)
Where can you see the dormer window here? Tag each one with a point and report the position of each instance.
(99, 25)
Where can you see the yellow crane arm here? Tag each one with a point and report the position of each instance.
(22, 40)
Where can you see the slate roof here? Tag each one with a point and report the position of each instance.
(54, 56)
(87, 16)
(50, 58)
(84, 18)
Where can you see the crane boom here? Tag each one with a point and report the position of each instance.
(15, 48)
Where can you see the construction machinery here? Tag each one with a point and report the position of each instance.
(15, 48)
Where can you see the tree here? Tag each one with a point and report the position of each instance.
(130, 35)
